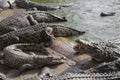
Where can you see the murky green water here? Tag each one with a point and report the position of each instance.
(84, 16)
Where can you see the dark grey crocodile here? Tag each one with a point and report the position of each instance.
(24, 19)
(15, 56)
(81, 76)
(105, 71)
(29, 4)
(105, 67)
(34, 34)
(107, 14)
(63, 31)
(100, 51)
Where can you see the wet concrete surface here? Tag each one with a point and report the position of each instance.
(8, 12)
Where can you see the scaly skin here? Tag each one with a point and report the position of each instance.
(15, 56)
(102, 51)
(81, 76)
(62, 31)
(105, 71)
(36, 34)
(29, 4)
(25, 19)
(105, 67)
(33, 34)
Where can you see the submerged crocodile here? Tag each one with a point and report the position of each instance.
(107, 14)
(34, 34)
(101, 51)
(15, 56)
(29, 4)
(24, 19)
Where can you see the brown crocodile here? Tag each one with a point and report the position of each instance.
(15, 56)
(25, 19)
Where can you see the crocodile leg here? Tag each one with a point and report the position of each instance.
(13, 39)
(8, 42)
(23, 68)
(32, 20)
(47, 33)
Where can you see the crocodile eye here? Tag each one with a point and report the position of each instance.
(82, 47)
(50, 57)
(63, 57)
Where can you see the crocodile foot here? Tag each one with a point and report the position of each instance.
(23, 68)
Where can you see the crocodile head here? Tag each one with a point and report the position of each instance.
(50, 60)
(41, 16)
(84, 47)
(54, 59)
(99, 51)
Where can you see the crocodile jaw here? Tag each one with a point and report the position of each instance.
(85, 47)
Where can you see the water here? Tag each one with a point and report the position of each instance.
(84, 15)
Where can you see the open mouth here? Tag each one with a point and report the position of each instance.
(81, 47)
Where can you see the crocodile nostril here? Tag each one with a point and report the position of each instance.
(82, 47)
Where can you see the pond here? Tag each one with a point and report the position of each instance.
(84, 15)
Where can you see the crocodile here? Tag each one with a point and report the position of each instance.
(81, 76)
(104, 71)
(17, 56)
(105, 67)
(34, 34)
(63, 31)
(26, 4)
(107, 14)
(25, 19)
(100, 51)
